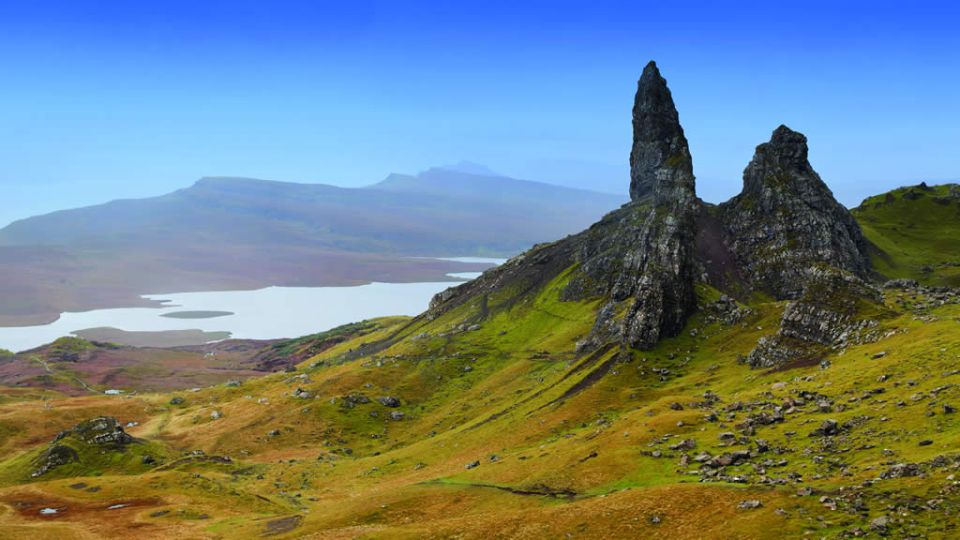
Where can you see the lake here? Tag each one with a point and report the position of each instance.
(269, 313)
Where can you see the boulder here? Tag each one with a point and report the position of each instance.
(389, 401)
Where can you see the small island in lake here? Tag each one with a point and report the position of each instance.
(196, 314)
(161, 338)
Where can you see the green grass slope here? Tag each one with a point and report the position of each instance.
(916, 233)
(482, 421)
(498, 429)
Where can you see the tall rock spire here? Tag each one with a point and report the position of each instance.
(652, 292)
(660, 164)
(784, 234)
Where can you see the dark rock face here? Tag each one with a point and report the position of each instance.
(645, 259)
(654, 286)
(793, 240)
(660, 163)
(826, 316)
(655, 267)
(786, 220)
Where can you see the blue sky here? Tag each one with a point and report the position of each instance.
(108, 99)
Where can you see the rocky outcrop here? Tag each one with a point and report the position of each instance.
(103, 433)
(660, 164)
(786, 220)
(639, 258)
(652, 292)
(644, 260)
(828, 315)
(793, 240)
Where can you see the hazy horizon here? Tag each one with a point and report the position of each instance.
(117, 100)
(17, 214)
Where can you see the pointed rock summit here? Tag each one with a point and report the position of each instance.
(784, 234)
(786, 220)
(651, 291)
(660, 163)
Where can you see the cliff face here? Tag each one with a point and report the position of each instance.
(645, 260)
(786, 220)
(660, 163)
(653, 278)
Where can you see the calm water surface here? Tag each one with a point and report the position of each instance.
(273, 312)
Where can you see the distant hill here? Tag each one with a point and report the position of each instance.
(229, 233)
(915, 232)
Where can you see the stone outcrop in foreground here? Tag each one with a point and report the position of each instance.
(101, 434)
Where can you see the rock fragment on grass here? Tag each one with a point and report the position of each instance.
(389, 401)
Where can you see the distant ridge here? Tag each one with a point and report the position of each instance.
(471, 167)
(228, 232)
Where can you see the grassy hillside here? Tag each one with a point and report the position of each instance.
(495, 428)
(916, 232)
(75, 366)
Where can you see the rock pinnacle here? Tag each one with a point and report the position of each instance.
(660, 164)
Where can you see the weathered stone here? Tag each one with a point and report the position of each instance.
(901, 470)
(786, 220)
(828, 428)
(825, 316)
(350, 401)
(104, 432)
(686, 444)
(660, 163)
(880, 524)
(389, 401)
(785, 234)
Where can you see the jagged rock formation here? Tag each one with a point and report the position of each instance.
(103, 430)
(660, 163)
(654, 285)
(834, 310)
(104, 433)
(640, 258)
(786, 221)
(782, 235)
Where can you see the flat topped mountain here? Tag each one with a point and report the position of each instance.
(240, 233)
(437, 212)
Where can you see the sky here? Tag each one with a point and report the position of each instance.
(115, 99)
